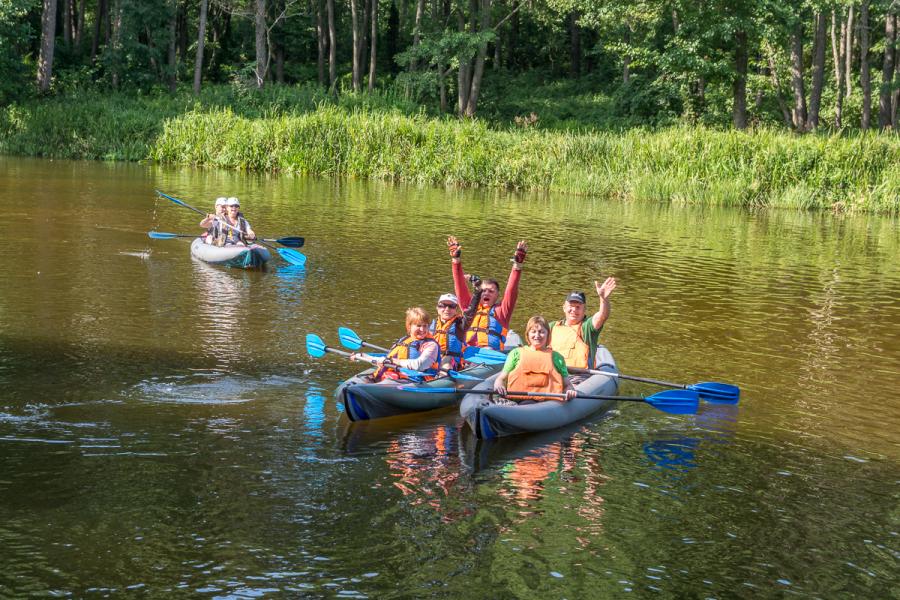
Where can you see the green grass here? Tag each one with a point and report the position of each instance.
(301, 130)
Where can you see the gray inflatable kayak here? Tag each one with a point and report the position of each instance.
(243, 257)
(363, 399)
(491, 417)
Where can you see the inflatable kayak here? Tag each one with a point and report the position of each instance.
(243, 257)
(492, 416)
(363, 399)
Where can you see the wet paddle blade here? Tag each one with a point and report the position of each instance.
(292, 256)
(315, 346)
(717, 393)
(161, 235)
(290, 242)
(349, 339)
(676, 402)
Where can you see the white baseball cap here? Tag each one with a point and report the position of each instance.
(449, 298)
(221, 200)
(232, 202)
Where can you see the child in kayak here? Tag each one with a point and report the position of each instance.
(417, 350)
(535, 368)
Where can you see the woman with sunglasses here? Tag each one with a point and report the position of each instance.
(449, 328)
(239, 232)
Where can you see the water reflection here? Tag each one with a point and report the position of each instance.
(223, 296)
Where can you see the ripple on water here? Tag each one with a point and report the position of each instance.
(215, 388)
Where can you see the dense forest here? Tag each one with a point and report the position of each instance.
(806, 65)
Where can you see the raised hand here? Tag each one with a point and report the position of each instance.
(521, 251)
(454, 246)
(606, 288)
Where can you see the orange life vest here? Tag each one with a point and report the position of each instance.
(450, 337)
(535, 373)
(408, 347)
(567, 340)
(486, 331)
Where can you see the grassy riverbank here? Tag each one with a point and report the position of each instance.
(299, 130)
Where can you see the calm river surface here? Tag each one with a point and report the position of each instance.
(163, 431)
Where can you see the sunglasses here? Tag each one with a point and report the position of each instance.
(442, 305)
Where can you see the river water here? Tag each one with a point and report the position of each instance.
(163, 431)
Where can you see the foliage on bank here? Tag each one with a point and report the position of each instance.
(303, 130)
(857, 172)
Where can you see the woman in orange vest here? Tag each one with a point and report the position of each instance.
(417, 350)
(536, 367)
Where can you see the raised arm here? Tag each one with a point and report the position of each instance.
(603, 291)
(511, 293)
(459, 277)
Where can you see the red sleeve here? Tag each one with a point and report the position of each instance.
(510, 295)
(459, 284)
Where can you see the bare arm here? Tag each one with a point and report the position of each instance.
(603, 292)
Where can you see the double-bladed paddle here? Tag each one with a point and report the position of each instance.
(676, 402)
(317, 349)
(349, 339)
(292, 256)
(711, 391)
(290, 241)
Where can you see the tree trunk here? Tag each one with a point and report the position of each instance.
(116, 42)
(575, 43)
(739, 87)
(896, 94)
(818, 72)
(865, 78)
(332, 48)
(201, 40)
(839, 80)
(848, 50)
(626, 60)
(48, 38)
(372, 52)
(354, 24)
(799, 112)
(79, 27)
(887, 71)
(321, 41)
(463, 77)
(173, 55)
(478, 73)
(98, 23)
(67, 22)
(417, 33)
(779, 96)
(262, 50)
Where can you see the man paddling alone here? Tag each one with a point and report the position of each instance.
(576, 336)
(490, 324)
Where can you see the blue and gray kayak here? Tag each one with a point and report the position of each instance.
(363, 399)
(493, 416)
(242, 257)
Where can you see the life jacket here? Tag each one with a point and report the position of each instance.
(568, 341)
(230, 236)
(535, 373)
(450, 337)
(408, 347)
(486, 331)
(214, 234)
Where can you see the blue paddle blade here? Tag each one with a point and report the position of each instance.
(464, 376)
(290, 242)
(717, 393)
(485, 355)
(315, 346)
(412, 375)
(349, 339)
(292, 256)
(161, 235)
(676, 402)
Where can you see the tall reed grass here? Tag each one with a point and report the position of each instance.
(302, 130)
